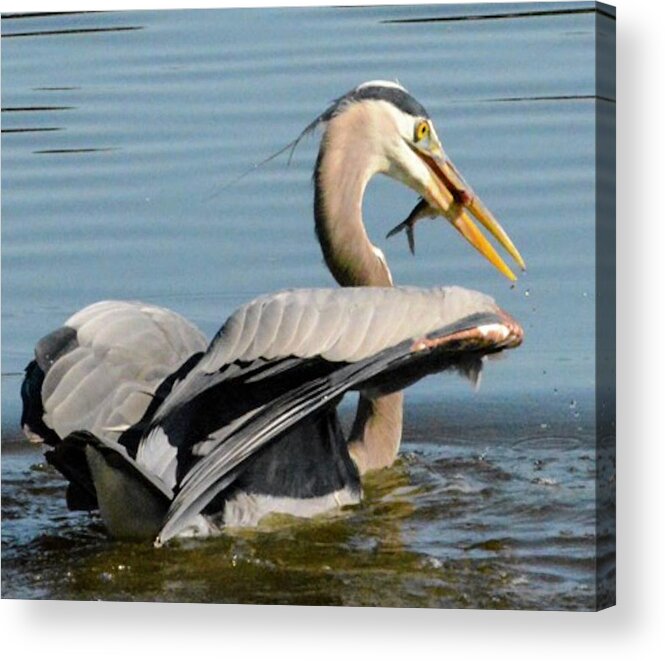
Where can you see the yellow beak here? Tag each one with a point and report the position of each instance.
(449, 195)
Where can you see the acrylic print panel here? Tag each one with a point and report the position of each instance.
(129, 141)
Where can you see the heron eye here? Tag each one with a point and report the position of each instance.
(422, 131)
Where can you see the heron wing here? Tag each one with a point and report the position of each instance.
(280, 340)
(102, 367)
(472, 336)
(327, 322)
(336, 325)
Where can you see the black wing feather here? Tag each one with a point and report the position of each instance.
(219, 468)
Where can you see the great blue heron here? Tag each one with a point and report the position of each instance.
(180, 438)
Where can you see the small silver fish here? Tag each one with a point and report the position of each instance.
(420, 211)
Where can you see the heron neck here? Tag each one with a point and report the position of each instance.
(343, 170)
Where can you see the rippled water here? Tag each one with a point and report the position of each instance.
(121, 133)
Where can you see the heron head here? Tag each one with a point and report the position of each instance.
(397, 137)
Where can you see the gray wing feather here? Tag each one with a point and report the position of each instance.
(306, 327)
(340, 325)
(337, 324)
(228, 447)
(286, 331)
(122, 351)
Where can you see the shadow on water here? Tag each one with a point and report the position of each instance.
(32, 130)
(498, 15)
(9, 32)
(77, 150)
(571, 97)
(51, 33)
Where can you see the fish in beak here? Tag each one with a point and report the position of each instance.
(420, 211)
(447, 194)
